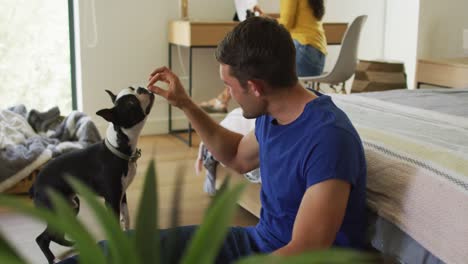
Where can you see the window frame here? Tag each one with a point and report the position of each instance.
(71, 30)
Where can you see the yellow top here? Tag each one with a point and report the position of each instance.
(299, 19)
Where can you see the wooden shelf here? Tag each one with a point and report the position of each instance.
(450, 73)
(198, 33)
(190, 33)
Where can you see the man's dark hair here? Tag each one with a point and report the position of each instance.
(318, 8)
(259, 48)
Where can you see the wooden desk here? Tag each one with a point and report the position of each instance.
(210, 33)
(449, 73)
(207, 34)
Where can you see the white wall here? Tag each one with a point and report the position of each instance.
(371, 42)
(345, 11)
(423, 29)
(132, 40)
(269, 6)
(401, 35)
(211, 9)
(441, 28)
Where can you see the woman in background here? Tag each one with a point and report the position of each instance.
(303, 19)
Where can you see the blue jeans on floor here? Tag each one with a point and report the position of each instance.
(309, 60)
(237, 244)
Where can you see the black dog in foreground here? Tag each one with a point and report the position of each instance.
(107, 167)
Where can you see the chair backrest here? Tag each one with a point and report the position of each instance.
(345, 65)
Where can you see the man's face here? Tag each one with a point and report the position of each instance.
(252, 105)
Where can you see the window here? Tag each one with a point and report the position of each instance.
(35, 65)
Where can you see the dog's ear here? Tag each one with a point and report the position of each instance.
(107, 114)
(112, 96)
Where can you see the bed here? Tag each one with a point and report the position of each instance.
(416, 144)
(417, 152)
(28, 139)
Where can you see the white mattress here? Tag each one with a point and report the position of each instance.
(417, 165)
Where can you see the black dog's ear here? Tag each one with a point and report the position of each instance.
(107, 114)
(112, 96)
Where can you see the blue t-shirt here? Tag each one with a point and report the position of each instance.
(320, 144)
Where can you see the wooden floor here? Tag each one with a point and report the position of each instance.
(170, 154)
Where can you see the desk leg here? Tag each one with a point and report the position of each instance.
(172, 131)
(190, 94)
(169, 105)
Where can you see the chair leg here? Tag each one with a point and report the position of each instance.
(334, 88)
(338, 89)
(312, 86)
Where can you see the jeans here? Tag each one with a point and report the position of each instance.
(174, 241)
(309, 60)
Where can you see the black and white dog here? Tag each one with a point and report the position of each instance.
(107, 167)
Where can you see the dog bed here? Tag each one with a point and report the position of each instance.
(28, 139)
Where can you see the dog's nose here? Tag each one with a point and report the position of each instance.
(141, 90)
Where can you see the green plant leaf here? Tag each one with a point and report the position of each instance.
(120, 247)
(8, 254)
(146, 231)
(57, 223)
(330, 256)
(208, 239)
(89, 251)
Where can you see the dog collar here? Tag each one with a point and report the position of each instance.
(133, 158)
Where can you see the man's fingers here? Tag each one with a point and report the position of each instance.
(153, 80)
(158, 90)
(161, 76)
(158, 70)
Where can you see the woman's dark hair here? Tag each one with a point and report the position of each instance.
(318, 7)
(259, 48)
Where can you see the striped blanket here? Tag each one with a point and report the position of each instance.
(417, 171)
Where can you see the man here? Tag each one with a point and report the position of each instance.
(311, 158)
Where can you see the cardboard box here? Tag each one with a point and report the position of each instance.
(379, 75)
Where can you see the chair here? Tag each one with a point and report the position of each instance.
(345, 65)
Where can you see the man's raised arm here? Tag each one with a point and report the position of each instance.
(232, 149)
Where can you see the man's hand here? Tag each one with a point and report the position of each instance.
(175, 93)
(257, 8)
